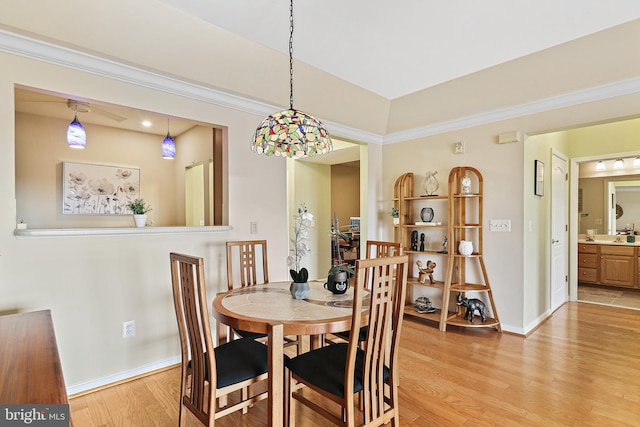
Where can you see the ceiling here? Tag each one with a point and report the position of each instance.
(401, 47)
(37, 102)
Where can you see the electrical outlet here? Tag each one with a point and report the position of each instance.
(500, 225)
(253, 225)
(129, 329)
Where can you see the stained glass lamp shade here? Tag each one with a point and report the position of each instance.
(291, 133)
(168, 147)
(76, 136)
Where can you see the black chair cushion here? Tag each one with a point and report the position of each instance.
(247, 334)
(325, 368)
(240, 360)
(362, 336)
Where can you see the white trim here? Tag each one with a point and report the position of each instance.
(54, 54)
(104, 381)
(66, 232)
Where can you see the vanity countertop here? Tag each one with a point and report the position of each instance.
(609, 241)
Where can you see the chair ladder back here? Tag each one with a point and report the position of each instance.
(194, 327)
(251, 255)
(387, 282)
(379, 248)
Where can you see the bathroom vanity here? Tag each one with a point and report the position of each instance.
(608, 262)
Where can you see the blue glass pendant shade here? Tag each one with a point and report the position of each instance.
(76, 136)
(168, 147)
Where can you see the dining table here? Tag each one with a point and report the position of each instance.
(270, 309)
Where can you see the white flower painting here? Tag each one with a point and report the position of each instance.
(98, 190)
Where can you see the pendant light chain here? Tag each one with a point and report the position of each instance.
(291, 133)
(291, 55)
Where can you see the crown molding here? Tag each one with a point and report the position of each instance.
(598, 93)
(54, 54)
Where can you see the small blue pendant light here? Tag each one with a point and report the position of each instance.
(168, 145)
(76, 136)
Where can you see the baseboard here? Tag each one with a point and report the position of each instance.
(111, 380)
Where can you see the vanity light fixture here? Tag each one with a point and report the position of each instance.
(168, 145)
(618, 164)
(600, 166)
(636, 162)
(291, 133)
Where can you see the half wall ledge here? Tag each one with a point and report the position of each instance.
(53, 232)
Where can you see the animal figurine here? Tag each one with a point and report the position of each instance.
(424, 272)
(472, 305)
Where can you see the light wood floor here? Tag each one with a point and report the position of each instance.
(580, 368)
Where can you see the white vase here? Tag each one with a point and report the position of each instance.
(396, 221)
(141, 220)
(465, 247)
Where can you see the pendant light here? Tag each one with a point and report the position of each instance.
(168, 145)
(600, 166)
(76, 136)
(291, 133)
(618, 164)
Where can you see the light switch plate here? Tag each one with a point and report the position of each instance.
(500, 225)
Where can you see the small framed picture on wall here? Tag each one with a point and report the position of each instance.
(538, 183)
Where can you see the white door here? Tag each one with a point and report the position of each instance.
(559, 231)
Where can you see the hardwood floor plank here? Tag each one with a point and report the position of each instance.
(580, 368)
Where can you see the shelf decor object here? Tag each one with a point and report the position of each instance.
(291, 133)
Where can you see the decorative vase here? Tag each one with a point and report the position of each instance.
(396, 221)
(431, 183)
(465, 247)
(141, 220)
(299, 290)
(426, 214)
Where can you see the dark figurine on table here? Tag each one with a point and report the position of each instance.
(421, 242)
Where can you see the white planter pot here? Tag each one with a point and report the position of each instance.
(396, 221)
(141, 220)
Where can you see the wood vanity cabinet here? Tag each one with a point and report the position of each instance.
(611, 265)
(617, 265)
(588, 263)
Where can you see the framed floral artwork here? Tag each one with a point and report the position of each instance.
(89, 189)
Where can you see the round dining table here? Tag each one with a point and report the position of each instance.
(270, 309)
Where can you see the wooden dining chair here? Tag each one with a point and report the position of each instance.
(340, 371)
(247, 266)
(208, 372)
(374, 249)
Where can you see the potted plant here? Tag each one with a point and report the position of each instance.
(139, 209)
(338, 278)
(339, 273)
(395, 215)
(303, 222)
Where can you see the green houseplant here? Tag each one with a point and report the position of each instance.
(139, 209)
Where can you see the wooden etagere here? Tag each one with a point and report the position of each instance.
(463, 205)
